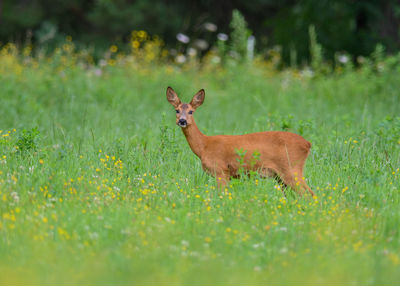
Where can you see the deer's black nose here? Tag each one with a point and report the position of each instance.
(182, 122)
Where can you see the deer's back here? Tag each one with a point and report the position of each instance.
(260, 140)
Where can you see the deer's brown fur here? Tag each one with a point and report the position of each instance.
(282, 154)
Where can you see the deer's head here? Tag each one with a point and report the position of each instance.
(184, 111)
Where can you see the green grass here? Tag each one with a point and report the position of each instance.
(108, 192)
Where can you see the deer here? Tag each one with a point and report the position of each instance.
(282, 154)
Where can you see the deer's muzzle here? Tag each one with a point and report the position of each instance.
(182, 122)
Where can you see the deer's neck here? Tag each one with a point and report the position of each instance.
(195, 138)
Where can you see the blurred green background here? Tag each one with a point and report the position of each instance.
(351, 26)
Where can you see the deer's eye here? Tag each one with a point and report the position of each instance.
(190, 112)
(177, 111)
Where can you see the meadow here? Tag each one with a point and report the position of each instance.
(98, 186)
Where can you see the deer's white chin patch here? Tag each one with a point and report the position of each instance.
(182, 125)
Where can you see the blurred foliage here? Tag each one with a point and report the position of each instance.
(239, 34)
(351, 26)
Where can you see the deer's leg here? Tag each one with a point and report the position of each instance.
(298, 173)
(304, 185)
(221, 174)
(222, 179)
(290, 180)
(296, 181)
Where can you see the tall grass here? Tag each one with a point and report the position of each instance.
(98, 186)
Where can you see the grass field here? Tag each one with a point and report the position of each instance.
(98, 186)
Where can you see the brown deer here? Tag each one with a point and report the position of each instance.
(281, 154)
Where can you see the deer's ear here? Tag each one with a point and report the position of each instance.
(172, 97)
(198, 99)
